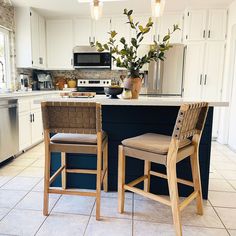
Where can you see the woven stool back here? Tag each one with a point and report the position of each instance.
(72, 117)
(190, 121)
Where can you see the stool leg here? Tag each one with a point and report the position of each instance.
(63, 173)
(99, 170)
(197, 181)
(121, 180)
(174, 197)
(147, 168)
(105, 167)
(46, 179)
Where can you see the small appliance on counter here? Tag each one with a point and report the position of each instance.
(23, 82)
(42, 80)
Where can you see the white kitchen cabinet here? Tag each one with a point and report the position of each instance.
(59, 44)
(83, 29)
(30, 39)
(30, 123)
(205, 24)
(194, 70)
(217, 24)
(195, 24)
(119, 24)
(204, 70)
(166, 22)
(213, 70)
(101, 29)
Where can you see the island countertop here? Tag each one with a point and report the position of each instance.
(142, 101)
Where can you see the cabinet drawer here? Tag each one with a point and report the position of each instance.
(33, 105)
(23, 105)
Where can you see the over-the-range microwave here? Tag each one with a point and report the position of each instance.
(86, 57)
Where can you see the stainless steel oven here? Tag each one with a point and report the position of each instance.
(86, 57)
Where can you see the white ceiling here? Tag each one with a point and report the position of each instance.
(59, 8)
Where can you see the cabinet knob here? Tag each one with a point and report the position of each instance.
(201, 79)
(204, 33)
(209, 34)
(205, 81)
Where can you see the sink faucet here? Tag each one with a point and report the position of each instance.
(1, 63)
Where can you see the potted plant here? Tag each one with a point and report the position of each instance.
(126, 56)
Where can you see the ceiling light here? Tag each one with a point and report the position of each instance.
(96, 9)
(158, 7)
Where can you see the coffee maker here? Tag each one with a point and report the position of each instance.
(42, 80)
(23, 82)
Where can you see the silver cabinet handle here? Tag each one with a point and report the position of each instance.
(201, 79)
(205, 81)
(30, 118)
(209, 34)
(204, 33)
(33, 117)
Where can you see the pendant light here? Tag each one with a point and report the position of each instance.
(96, 9)
(158, 7)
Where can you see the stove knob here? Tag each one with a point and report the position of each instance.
(84, 82)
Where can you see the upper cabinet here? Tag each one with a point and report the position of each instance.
(101, 29)
(166, 22)
(59, 44)
(205, 24)
(30, 39)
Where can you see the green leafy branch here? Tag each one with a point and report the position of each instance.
(127, 55)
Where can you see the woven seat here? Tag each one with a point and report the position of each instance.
(75, 138)
(167, 151)
(155, 143)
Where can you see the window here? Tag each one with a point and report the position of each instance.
(4, 59)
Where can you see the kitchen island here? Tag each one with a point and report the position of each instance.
(127, 118)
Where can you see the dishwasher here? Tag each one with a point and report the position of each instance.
(9, 130)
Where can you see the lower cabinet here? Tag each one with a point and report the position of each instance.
(30, 124)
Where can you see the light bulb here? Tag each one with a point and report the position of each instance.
(158, 7)
(96, 9)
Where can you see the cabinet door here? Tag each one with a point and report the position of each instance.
(82, 32)
(37, 126)
(24, 130)
(195, 24)
(214, 64)
(35, 39)
(150, 36)
(101, 29)
(193, 78)
(166, 22)
(42, 42)
(59, 44)
(217, 24)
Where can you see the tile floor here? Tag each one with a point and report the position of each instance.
(21, 198)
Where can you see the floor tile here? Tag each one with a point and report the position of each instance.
(38, 163)
(5, 179)
(32, 172)
(224, 165)
(39, 186)
(11, 170)
(21, 183)
(228, 174)
(220, 185)
(63, 225)
(21, 222)
(109, 208)
(222, 199)
(228, 216)
(232, 232)
(3, 212)
(233, 183)
(34, 201)
(109, 226)
(75, 205)
(115, 194)
(20, 161)
(9, 198)
(214, 174)
(156, 229)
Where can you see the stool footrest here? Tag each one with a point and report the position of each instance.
(148, 195)
(82, 171)
(181, 181)
(137, 181)
(188, 200)
(56, 174)
(71, 192)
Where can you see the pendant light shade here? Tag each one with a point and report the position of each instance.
(96, 9)
(158, 7)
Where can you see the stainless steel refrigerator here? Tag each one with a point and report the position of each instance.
(166, 77)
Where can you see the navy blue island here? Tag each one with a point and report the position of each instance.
(127, 118)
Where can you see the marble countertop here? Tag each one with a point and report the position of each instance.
(18, 94)
(142, 101)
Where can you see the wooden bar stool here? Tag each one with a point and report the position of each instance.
(168, 151)
(78, 129)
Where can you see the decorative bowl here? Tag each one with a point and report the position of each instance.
(112, 92)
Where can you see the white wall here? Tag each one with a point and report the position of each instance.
(227, 114)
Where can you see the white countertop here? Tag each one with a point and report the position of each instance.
(26, 94)
(142, 101)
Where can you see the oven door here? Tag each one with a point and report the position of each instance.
(92, 60)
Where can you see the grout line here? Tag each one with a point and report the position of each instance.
(90, 216)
